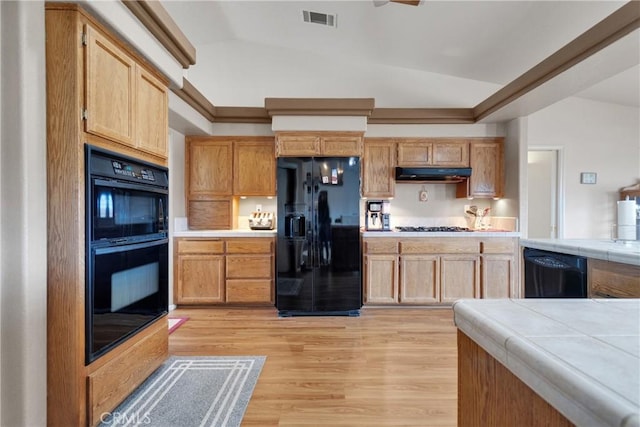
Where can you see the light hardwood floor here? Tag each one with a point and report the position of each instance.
(388, 367)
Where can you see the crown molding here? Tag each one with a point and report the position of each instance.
(612, 28)
(196, 100)
(422, 116)
(159, 23)
(241, 115)
(319, 106)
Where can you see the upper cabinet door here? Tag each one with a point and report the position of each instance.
(432, 152)
(254, 171)
(415, 153)
(341, 145)
(453, 154)
(487, 178)
(110, 90)
(209, 168)
(297, 145)
(379, 160)
(152, 114)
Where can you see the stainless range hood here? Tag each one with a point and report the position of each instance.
(435, 175)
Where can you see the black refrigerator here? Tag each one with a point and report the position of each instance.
(318, 248)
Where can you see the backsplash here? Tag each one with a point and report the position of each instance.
(248, 205)
(441, 208)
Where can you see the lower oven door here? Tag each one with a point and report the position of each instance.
(127, 289)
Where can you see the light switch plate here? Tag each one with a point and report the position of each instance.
(588, 178)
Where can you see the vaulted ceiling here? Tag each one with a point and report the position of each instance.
(488, 42)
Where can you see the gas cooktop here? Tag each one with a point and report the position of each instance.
(446, 228)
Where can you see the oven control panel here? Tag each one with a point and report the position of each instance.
(120, 168)
(104, 164)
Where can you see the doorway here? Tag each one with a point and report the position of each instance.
(544, 193)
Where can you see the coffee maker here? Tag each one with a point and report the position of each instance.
(377, 215)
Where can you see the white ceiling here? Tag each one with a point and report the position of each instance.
(487, 41)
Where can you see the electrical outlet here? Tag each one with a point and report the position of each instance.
(258, 208)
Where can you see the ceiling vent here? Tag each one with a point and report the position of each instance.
(320, 18)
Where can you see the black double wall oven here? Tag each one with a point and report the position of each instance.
(127, 248)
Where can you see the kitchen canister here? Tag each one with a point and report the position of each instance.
(627, 220)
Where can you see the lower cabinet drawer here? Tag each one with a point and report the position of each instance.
(248, 266)
(186, 246)
(498, 246)
(381, 246)
(247, 245)
(438, 245)
(250, 291)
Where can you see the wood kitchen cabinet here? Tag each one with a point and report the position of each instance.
(99, 91)
(254, 167)
(434, 152)
(608, 279)
(209, 167)
(419, 279)
(378, 168)
(209, 183)
(152, 119)
(199, 271)
(327, 144)
(125, 102)
(459, 277)
(110, 75)
(218, 170)
(486, 158)
(499, 268)
(224, 271)
(439, 270)
(381, 279)
(381, 271)
(454, 266)
(250, 270)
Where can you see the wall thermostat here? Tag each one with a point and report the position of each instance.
(588, 178)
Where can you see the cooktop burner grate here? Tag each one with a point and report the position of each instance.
(446, 228)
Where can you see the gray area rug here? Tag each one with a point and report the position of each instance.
(191, 391)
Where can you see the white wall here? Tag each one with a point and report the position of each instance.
(541, 182)
(176, 193)
(238, 73)
(515, 161)
(2, 260)
(596, 137)
(23, 223)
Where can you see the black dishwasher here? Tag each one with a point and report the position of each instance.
(554, 275)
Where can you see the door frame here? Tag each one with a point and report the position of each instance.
(559, 185)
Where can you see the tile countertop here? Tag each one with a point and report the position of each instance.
(241, 232)
(582, 356)
(607, 250)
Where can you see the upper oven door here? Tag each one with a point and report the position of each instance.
(127, 211)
